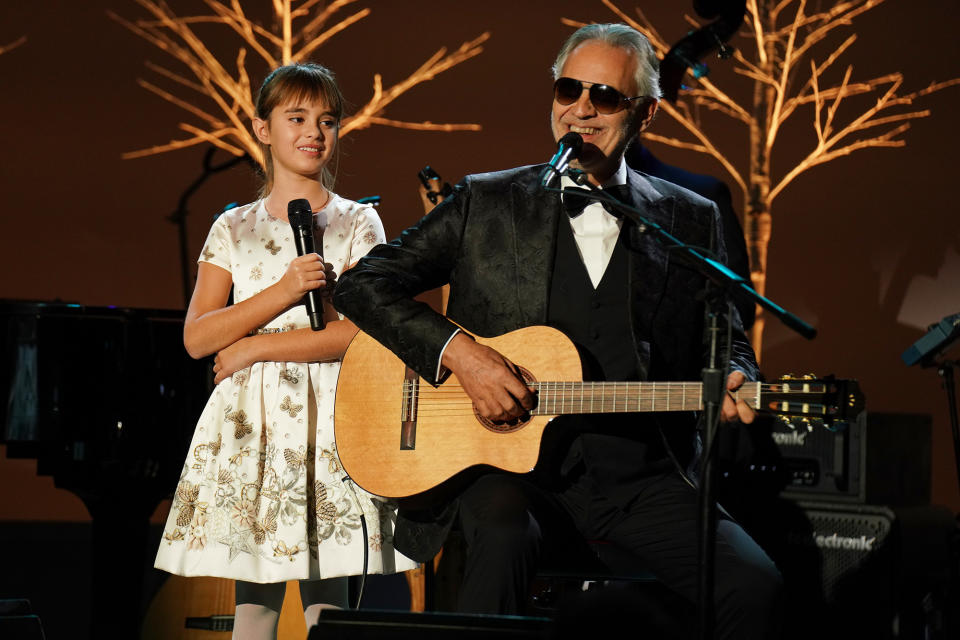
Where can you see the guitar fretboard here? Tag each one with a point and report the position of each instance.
(556, 398)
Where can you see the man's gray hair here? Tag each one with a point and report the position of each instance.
(624, 37)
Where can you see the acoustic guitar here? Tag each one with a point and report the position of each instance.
(398, 436)
(201, 608)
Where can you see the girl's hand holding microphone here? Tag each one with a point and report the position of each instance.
(308, 273)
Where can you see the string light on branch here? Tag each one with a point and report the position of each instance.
(777, 52)
(217, 92)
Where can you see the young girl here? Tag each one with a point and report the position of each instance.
(262, 498)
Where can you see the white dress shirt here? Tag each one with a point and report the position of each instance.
(596, 229)
(595, 232)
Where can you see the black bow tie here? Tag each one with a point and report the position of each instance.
(575, 199)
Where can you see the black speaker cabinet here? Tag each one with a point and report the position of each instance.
(881, 458)
(859, 571)
(17, 620)
(399, 625)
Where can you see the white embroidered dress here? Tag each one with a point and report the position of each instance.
(262, 496)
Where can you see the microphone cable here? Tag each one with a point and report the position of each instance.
(347, 482)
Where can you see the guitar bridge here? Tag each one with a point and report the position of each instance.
(408, 412)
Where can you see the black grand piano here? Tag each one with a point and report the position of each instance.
(105, 399)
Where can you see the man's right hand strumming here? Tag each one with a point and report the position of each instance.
(491, 381)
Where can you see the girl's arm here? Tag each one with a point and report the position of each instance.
(299, 345)
(211, 326)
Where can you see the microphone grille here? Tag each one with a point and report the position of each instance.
(300, 213)
(573, 141)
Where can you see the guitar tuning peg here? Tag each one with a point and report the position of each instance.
(785, 421)
(809, 376)
(787, 376)
(806, 422)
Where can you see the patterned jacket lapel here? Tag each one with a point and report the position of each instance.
(649, 260)
(535, 215)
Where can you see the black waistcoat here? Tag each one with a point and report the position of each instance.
(597, 320)
(614, 450)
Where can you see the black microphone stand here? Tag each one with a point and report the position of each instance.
(721, 284)
(939, 339)
(179, 217)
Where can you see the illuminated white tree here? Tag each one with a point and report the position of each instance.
(13, 45)
(777, 52)
(222, 101)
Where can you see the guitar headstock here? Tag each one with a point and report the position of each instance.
(807, 402)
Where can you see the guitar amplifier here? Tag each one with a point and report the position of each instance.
(859, 571)
(880, 458)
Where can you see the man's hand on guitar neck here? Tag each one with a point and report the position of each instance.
(491, 381)
(498, 392)
(736, 410)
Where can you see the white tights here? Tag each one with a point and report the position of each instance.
(259, 605)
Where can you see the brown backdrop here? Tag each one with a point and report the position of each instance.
(867, 248)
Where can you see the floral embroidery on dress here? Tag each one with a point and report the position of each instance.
(200, 452)
(281, 549)
(198, 532)
(176, 535)
(333, 463)
(187, 493)
(239, 541)
(326, 510)
(241, 427)
(244, 514)
(294, 458)
(291, 375)
(238, 457)
(272, 503)
(335, 514)
(225, 489)
(291, 408)
(266, 527)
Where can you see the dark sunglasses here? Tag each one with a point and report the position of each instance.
(605, 98)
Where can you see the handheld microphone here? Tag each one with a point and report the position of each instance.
(300, 215)
(568, 148)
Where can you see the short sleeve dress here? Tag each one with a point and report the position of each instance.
(262, 496)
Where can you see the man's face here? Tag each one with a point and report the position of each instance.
(605, 136)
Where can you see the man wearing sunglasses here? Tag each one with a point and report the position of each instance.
(517, 255)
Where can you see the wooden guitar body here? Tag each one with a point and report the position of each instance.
(449, 437)
(398, 436)
(210, 602)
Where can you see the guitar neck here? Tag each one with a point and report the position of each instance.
(556, 398)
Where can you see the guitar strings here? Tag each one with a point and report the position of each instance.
(556, 397)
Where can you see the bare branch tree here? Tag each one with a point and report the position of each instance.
(779, 43)
(229, 97)
(13, 45)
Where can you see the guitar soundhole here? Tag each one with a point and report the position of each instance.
(512, 425)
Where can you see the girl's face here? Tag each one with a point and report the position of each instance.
(302, 136)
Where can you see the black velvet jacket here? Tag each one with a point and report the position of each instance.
(493, 240)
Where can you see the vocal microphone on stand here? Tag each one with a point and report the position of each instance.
(300, 215)
(568, 149)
